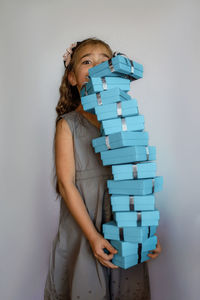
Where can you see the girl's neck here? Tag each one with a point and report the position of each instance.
(92, 118)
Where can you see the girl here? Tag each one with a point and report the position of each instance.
(79, 268)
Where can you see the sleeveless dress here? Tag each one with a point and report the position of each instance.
(74, 273)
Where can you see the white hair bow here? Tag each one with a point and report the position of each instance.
(68, 53)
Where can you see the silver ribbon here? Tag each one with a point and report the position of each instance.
(139, 252)
(119, 108)
(132, 66)
(149, 231)
(147, 152)
(153, 185)
(126, 57)
(139, 218)
(121, 234)
(107, 142)
(131, 202)
(99, 100)
(105, 87)
(124, 126)
(135, 171)
(111, 65)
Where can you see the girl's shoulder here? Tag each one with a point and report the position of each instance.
(72, 119)
(69, 115)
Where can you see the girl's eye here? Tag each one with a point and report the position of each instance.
(86, 62)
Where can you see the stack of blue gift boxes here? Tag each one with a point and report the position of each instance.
(124, 146)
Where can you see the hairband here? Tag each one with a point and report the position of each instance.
(68, 53)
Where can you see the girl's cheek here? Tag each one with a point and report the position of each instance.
(83, 70)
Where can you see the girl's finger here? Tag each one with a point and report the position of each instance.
(157, 250)
(155, 253)
(158, 246)
(152, 255)
(110, 248)
(108, 264)
(102, 262)
(105, 256)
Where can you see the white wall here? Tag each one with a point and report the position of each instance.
(164, 36)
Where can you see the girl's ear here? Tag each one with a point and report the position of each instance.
(72, 78)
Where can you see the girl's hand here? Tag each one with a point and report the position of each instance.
(155, 253)
(98, 243)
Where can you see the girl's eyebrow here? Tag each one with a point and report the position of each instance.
(88, 54)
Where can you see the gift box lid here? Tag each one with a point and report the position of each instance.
(131, 123)
(112, 228)
(136, 216)
(117, 122)
(132, 223)
(136, 153)
(128, 248)
(132, 203)
(137, 207)
(99, 84)
(123, 71)
(134, 199)
(136, 186)
(131, 234)
(126, 262)
(119, 59)
(134, 171)
(126, 151)
(120, 144)
(120, 139)
(129, 158)
(122, 135)
(118, 64)
(104, 98)
(114, 110)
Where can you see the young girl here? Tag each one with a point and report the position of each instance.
(79, 268)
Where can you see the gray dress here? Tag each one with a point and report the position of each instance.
(74, 273)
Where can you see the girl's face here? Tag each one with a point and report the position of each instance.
(88, 57)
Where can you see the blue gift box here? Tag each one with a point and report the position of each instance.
(100, 99)
(132, 123)
(135, 203)
(128, 155)
(97, 84)
(126, 262)
(120, 139)
(128, 234)
(133, 218)
(114, 110)
(135, 187)
(134, 171)
(130, 254)
(127, 248)
(118, 66)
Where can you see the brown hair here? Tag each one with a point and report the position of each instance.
(69, 96)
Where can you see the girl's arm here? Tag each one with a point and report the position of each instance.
(65, 170)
